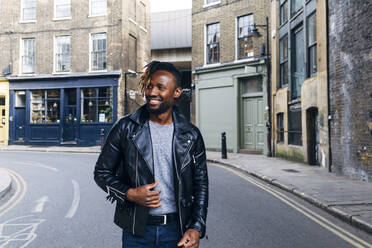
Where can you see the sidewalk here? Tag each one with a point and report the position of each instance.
(348, 199)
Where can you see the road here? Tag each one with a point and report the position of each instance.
(56, 203)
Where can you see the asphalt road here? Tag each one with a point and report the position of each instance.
(56, 203)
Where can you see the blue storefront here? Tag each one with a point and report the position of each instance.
(62, 110)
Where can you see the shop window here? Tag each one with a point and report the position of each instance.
(245, 42)
(311, 49)
(283, 60)
(295, 127)
(296, 5)
(98, 7)
(45, 106)
(280, 128)
(62, 54)
(62, 9)
(213, 43)
(96, 104)
(2, 100)
(98, 54)
(28, 10)
(20, 99)
(283, 12)
(28, 55)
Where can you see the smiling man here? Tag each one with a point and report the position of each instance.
(154, 165)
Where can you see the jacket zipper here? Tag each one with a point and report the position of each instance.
(183, 163)
(179, 193)
(135, 206)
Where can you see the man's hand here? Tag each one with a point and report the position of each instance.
(190, 239)
(145, 196)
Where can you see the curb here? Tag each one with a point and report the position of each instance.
(7, 185)
(47, 150)
(352, 220)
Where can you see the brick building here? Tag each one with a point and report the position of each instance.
(230, 73)
(299, 81)
(65, 61)
(350, 84)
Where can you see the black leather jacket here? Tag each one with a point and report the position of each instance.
(126, 161)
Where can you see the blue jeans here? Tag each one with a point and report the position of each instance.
(166, 236)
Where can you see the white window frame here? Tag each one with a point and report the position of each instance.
(90, 9)
(55, 55)
(205, 5)
(21, 53)
(21, 15)
(91, 50)
(55, 12)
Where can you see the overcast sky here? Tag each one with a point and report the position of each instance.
(165, 5)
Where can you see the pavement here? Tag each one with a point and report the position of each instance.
(350, 200)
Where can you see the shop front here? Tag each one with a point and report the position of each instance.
(62, 111)
(4, 110)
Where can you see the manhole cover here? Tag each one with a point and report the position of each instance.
(291, 170)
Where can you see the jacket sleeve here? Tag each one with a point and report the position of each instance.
(200, 204)
(107, 166)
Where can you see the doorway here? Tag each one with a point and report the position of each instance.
(20, 116)
(69, 117)
(312, 136)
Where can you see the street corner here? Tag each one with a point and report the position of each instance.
(5, 182)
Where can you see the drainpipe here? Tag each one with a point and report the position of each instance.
(268, 68)
(328, 94)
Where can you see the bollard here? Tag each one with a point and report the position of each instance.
(102, 138)
(223, 148)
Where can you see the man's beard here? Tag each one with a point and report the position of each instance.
(163, 107)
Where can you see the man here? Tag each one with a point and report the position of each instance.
(154, 165)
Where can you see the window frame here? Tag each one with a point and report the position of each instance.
(56, 57)
(280, 128)
(292, 132)
(206, 4)
(23, 54)
(22, 20)
(55, 11)
(283, 19)
(207, 61)
(310, 73)
(91, 51)
(282, 62)
(296, 11)
(44, 103)
(91, 8)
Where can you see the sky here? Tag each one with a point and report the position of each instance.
(166, 5)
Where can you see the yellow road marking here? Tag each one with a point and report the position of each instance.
(305, 211)
(18, 195)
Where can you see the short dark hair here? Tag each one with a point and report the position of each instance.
(155, 66)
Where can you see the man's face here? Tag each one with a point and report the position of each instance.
(161, 92)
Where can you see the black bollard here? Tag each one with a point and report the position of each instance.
(102, 138)
(223, 149)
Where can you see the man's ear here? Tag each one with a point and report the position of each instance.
(177, 92)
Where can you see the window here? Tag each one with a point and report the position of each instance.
(2, 100)
(283, 60)
(283, 15)
(142, 15)
(28, 10)
(98, 54)
(295, 127)
(62, 57)
(280, 128)
(296, 5)
(133, 53)
(245, 42)
(98, 7)
(213, 43)
(211, 1)
(312, 54)
(96, 104)
(62, 9)
(28, 55)
(298, 62)
(252, 85)
(45, 106)
(20, 99)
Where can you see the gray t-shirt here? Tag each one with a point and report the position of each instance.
(161, 137)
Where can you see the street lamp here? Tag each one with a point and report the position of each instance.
(131, 73)
(254, 32)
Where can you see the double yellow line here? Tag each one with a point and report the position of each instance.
(340, 232)
(20, 191)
